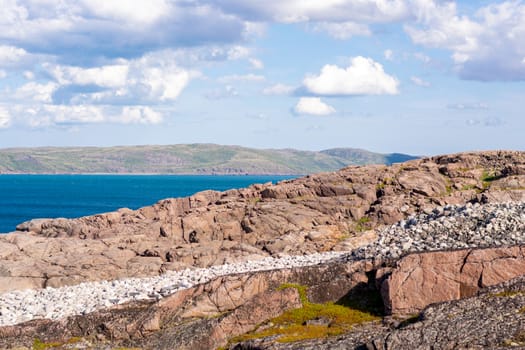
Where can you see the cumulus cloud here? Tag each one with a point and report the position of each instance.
(419, 82)
(5, 118)
(89, 29)
(3, 74)
(313, 106)
(10, 54)
(363, 76)
(294, 11)
(153, 78)
(105, 76)
(139, 115)
(487, 46)
(35, 92)
(144, 12)
(278, 89)
(49, 115)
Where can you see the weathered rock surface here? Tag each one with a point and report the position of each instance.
(419, 280)
(492, 319)
(315, 213)
(201, 317)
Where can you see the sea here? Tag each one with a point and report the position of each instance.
(26, 197)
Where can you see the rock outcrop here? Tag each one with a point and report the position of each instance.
(419, 280)
(201, 317)
(315, 213)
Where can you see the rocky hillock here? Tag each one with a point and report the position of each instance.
(322, 212)
(397, 238)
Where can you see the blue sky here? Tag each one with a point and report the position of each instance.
(413, 76)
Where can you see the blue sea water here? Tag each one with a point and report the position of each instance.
(25, 197)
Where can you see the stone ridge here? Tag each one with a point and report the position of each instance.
(322, 212)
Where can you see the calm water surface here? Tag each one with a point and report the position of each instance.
(25, 197)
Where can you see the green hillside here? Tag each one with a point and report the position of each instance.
(183, 159)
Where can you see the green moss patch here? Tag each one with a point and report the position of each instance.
(310, 321)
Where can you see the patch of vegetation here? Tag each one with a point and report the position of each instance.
(468, 187)
(362, 224)
(40, 345)
(299, 324)
(487, 177)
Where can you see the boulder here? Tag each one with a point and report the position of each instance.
(419, 280)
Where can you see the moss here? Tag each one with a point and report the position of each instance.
(40, 345)
(293, 325)
(362, 224)
(468, 187)
(300, 289)
(487, 177)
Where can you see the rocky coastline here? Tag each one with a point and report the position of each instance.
(435, 230)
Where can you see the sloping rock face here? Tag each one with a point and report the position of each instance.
(315, 213)
(201, 317)
(419, 280)
(493, 319)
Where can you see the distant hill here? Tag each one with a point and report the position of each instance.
(361, 156)
(184, 159)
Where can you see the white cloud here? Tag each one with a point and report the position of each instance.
(89, 29)
(256, 64)
(35, 92)
(278, 89)
(153, 78)
(313, 106)
(49, 115)
(11, 54)
(364, 76)
(294, 11)
(246, 77)
(105, 76)
(139, 115)
(5, 118)
(236, 52)
(141, 12)
(389, 55)
(343, 30)
(3, 74)
(419, 82)
(487, 46)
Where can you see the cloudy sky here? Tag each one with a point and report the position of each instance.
(414, 76)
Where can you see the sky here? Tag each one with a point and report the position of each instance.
(415, 76)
